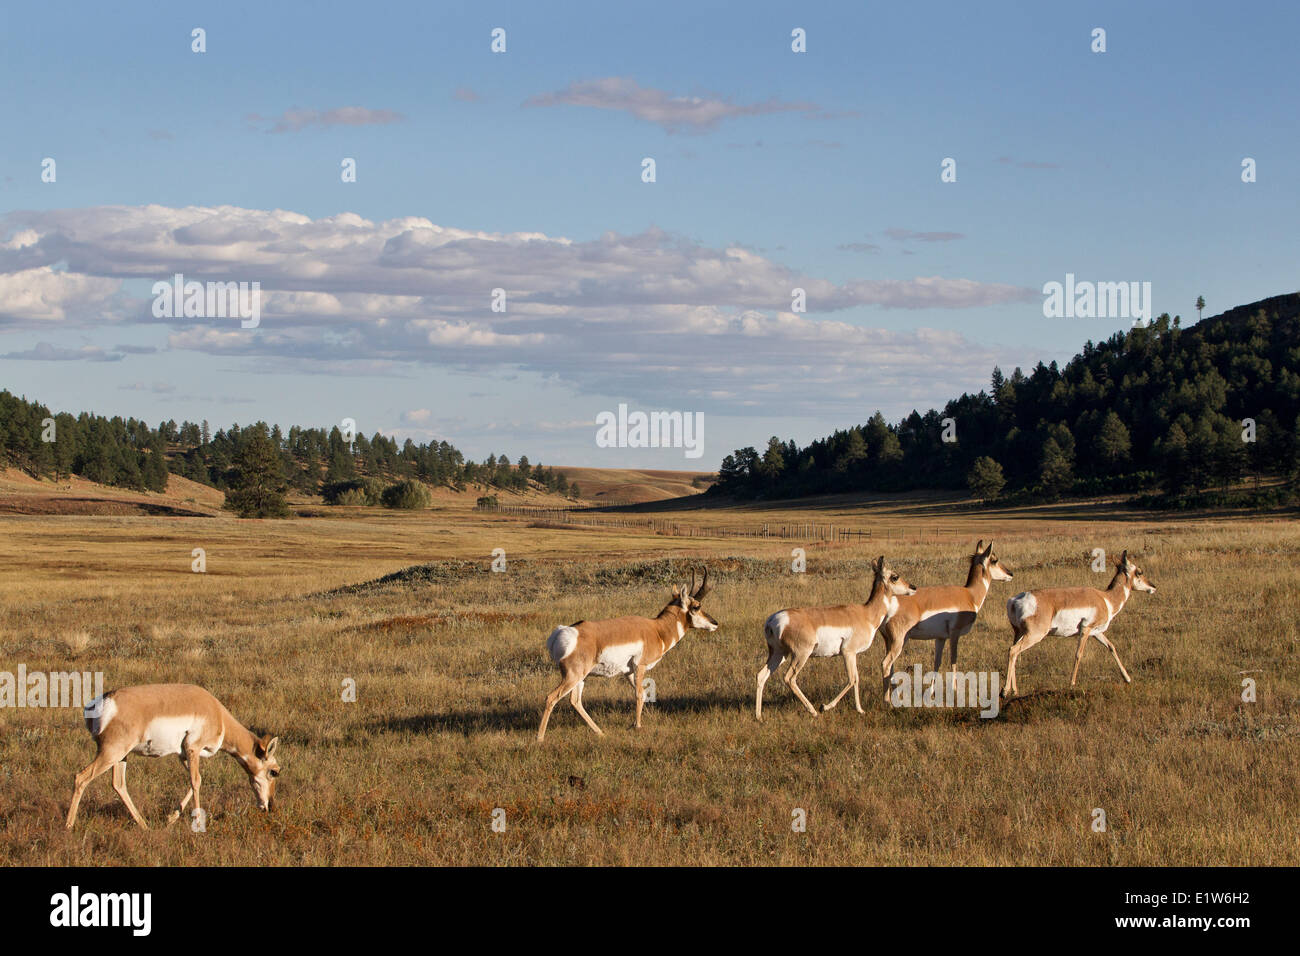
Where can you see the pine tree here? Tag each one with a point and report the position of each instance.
(258, 484)
(1055, 470)
(155, 465)
(1113, 443)
(985, 478)
(342, 465)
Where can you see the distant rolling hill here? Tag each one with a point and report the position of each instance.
(633, 486)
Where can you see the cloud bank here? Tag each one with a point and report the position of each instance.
(653, 316)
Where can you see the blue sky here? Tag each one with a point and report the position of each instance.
(521, 170)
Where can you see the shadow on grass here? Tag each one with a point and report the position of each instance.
(608, 714)
(1040, 704)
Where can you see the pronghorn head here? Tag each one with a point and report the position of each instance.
(262, 769)
(1137, 578)
(989, 562)
(690, 597)
(891, 580)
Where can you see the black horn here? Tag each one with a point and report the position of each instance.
(704, 585)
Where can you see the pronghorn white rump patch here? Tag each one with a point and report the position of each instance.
(830, 640)
(1021, 608)
(617, 659)
(562, 642)
(776, 624)
(99, 713)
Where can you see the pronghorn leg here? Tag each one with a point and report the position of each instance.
(193, 760)
(175, 814)
(575, 698)
(851, 669)
(554, 697)
(638, 687)
(1115, 653)
(774, 660)
(938, 655)
(1021, 642)
(1078, 655)
(103, 762)
(893, 647)
(119, 784)
(792, 681)
(1009, 687)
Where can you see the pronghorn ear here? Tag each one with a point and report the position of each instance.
(265, 745)
(989, 550)
(1123, 559)
(270, 747)
(979, 546)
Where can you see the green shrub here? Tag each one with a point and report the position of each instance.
(407, 494)
(359, 491)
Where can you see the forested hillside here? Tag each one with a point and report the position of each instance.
(1154, 408)
(131, 454)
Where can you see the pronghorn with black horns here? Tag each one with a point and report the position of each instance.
(941, 614)
(801, 633)
(623, 645)
(161, 720)
(1071, 612)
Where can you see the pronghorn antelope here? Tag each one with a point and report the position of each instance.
(941, 614)
(800, 633)
(1070, 612)
(158, 720)
(621, 645)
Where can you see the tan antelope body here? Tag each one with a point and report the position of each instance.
(1071, 612)
(801, 633)
(160, 720)
(941, 614)
(623, 645)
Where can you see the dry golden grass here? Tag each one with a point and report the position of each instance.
(451, 671)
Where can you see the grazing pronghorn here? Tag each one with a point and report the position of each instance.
(158, 720)
(941, 614)
(621, 645)
(800, 633)
(1070, 612)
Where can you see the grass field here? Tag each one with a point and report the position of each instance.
(451, 671)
